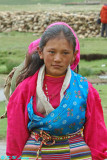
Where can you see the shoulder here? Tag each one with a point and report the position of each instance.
(77, 75)
(79, 78)
(92, 90)
(93, 94)
(28, 82)
(25, 88)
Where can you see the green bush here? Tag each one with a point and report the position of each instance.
(86, 72)
(11, 64)
(3, 122)
(3, 69)
(9, 60)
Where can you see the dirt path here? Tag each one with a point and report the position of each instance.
(2, 149)
(97, 80)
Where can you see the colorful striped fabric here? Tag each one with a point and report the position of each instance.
(73, 148)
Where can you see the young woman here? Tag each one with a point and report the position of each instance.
(13, 77)
(55, 113)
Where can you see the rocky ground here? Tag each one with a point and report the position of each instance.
(98, 80)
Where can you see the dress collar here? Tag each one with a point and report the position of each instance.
(40, 93)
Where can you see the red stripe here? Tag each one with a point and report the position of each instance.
(57, 156)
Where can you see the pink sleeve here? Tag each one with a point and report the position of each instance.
(95, 131)
(17, 133)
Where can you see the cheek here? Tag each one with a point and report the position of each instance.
(69, 60)
(72, 59)
(47, 59)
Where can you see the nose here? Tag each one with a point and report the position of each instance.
(57, 57)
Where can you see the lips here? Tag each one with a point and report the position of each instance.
(56, 66)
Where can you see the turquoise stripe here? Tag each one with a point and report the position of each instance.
(78, 144)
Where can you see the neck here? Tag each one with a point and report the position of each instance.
(55, 76)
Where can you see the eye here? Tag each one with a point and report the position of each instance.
(52, 52)
(65, 53)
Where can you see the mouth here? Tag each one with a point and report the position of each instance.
(56, 66)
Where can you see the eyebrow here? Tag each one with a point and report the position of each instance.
(62, 50)
(50, 48)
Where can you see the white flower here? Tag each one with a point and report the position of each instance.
(64, 105)
(64, 122)
(75, 103)
(49, 126)
(29, 109)
(78, 117)
(52, 114)
(41, 123)
(80, 86)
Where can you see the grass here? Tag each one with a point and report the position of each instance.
(60, 7)
(23, 2)
(48, 5)
(3, 122)
(16, 41)
(13, 47)
(19, 41)
(94, 67)
(93, 45)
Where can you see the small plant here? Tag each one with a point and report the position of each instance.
(3, 69)
(11, 64)
(86, 72)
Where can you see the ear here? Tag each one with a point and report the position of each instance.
(40, 53)
(74, 55)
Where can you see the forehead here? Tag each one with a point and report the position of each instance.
(59, 42)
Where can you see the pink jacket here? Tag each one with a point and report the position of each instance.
(95, 132)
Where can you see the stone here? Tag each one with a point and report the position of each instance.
(84, 24)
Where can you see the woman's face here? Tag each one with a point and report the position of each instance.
(58, 55)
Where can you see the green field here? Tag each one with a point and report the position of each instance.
(52, 7)
(93, 45)
(14, 45)
(23, 2)
(94, 67)
(19, 41)
(3, 122)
